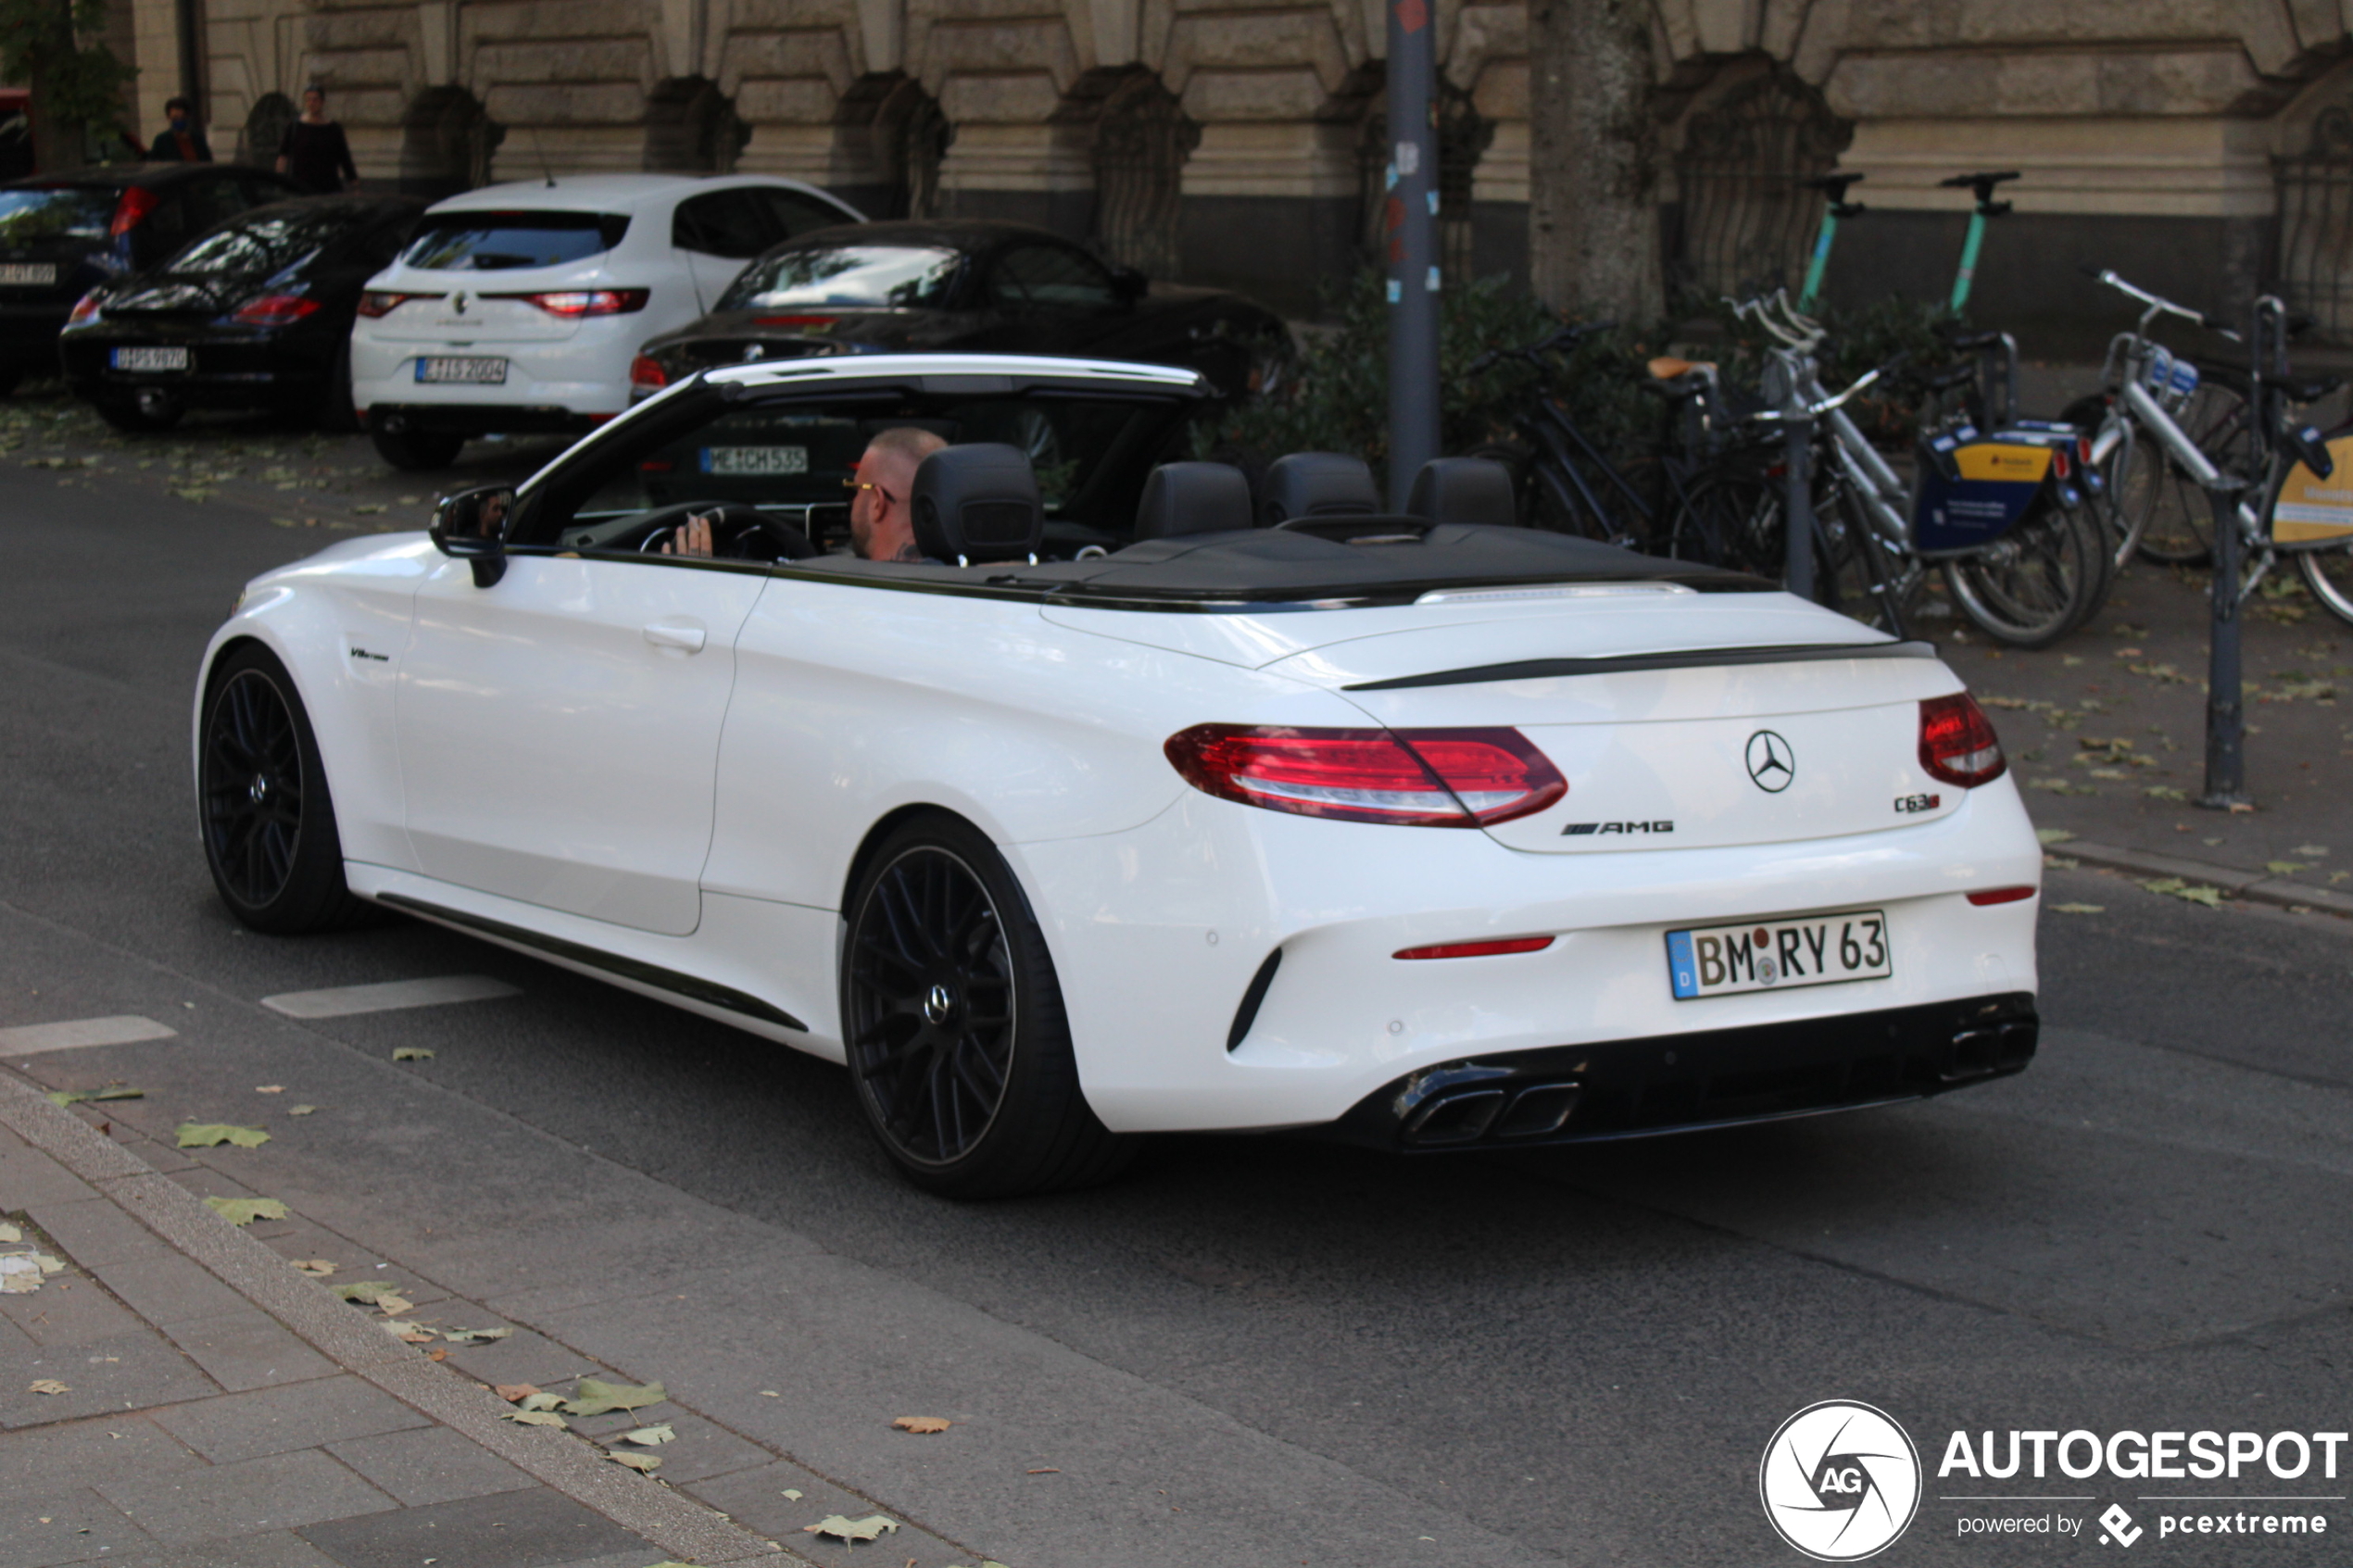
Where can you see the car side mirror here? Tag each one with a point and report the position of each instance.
(1129, 284)
(472, 526)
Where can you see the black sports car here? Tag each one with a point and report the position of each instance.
(969, 284)
(62, 235)
(255, 314)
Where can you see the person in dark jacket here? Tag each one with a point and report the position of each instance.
(183, 140)
(314, 153)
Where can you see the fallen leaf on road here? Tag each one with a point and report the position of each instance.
(2310, 849)
(392, 1304)
(51, 1386)
(2165, 792)
(414, 1333)
(793, 1492)
(595, 1398)
(2052, 835)
(769, 1394)
(2285, 867)
(10, 1233)
(515, 1393)
(367, 1290)
(411, 1053)
(242, 1211)
(300, 1109)
(317, 1268)
(269, 1089)
(205, 1135)
(650, 1436)
(543, 1402)
(75, 1096)
(870, 1528)
(1042, 1470)
(2063, 863)
(2191, 892)
(475, 1336)
(2081, 909)
(644, 1464)
(920, 1423)
(534, 1418)
(21, 1273)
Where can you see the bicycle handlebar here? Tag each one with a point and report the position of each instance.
(1567, 337)
(2157, 303)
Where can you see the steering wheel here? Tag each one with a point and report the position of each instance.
(739, 532)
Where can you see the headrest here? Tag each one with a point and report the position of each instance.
(976, 503)
(1315, 484)
(1476, 490)
(1193, 498)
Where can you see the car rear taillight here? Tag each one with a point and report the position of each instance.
(84, 309)
(275, 310)
(135, 204)
(647, 375)
(1418, 778)
(1476, 949)
(1957, 743)
(573, 304)
(376, 303)
(2000, 895)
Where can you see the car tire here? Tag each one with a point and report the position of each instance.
(416, 451)
(958, 1044)
(263, 808)
(143, 413)
(334, 413)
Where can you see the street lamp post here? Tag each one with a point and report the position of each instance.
(1411, 224)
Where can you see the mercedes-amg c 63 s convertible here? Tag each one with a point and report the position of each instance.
(1146, 801)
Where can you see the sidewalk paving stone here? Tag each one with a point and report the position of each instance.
(277, 1492)
(82, 1453)
(303, 1416)
(429, 1464)
(96, 1232)
(68, 1524)
(166, 1288)
(530, 1529)
(248, 1350)
(274, 1549)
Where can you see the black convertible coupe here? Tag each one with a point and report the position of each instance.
(965, 284)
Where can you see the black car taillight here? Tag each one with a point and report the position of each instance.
(135, 204)
(646, 374)
(274, 310)
(1957, 743)
(1415, 778)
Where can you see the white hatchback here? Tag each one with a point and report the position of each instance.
(517, 307)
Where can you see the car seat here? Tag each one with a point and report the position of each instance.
(977, 503)
(1315, 484)
(1193, 498)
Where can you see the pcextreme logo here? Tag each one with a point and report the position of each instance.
(1840, 1481)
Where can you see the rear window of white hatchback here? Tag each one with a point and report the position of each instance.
(499, 242)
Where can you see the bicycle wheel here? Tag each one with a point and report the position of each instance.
(1731, 519)
(1853, 572)
(2156, 495)
(2035, 583)
(2329, 573)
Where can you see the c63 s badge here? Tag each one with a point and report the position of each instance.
(1580, 830)
(1909, 803)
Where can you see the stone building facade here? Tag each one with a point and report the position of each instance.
(2204, 146)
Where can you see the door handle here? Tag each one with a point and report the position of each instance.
(678, 636)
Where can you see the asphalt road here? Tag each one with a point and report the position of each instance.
(1251, 1351)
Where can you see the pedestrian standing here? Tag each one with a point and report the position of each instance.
(183, 140)
(314, 153)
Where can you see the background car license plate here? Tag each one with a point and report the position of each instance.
(43, 275)
(451, 368)
(148, 358)
(1721, 961)
(755, 460)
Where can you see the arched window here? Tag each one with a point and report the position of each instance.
(1142, 138)
(2316, 220)
(691, 127)
(265, 130)
(447, 140)
(1745, 220)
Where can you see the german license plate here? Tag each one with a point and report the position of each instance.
(1778, 955)
(755, 460)
(148, 358)
(24, 275)
(463, 369)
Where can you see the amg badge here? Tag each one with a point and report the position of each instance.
(1578, 830)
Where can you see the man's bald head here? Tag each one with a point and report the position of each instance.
(881, 526)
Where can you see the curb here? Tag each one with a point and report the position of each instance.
(676, 1523)
(2258, 887)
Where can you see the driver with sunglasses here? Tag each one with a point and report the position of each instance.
(881, 528)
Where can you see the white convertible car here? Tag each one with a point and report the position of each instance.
(1120, 814)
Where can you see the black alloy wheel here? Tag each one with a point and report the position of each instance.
(269, 827)
(955, 1027)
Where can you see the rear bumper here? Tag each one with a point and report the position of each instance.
(1681, 1082)
(480, 419)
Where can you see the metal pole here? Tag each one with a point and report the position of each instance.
(2225, 712)
(1797, 570)
(1412, 225)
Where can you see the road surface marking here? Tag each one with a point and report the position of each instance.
(388, 995)
(28, 1039)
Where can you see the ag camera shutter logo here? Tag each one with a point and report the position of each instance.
(1840, 1481)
